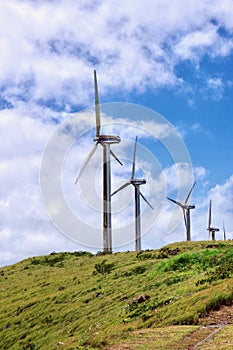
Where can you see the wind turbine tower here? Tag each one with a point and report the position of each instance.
(224, 232)
(105, 141)
(186, 212)
(136, 182)
(211, 229)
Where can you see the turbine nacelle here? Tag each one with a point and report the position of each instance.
(138, 182)
(110, 139)
(213, 229)
(188, 206)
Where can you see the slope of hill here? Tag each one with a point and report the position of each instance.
(152, 300)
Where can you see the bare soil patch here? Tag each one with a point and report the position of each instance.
(222, 316)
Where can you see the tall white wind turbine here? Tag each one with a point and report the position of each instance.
(136, 182)
(186, 212)
(105, 141)
(210, 228)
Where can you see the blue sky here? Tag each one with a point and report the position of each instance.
(174, 58)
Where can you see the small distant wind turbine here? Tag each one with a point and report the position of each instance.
(211, 230)
(105, 141)
(136, 183)
(186, 212)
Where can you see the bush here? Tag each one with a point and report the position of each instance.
(50, 260)
(103, 253)
(144, 305)
(219, 273)
(82, 253)
(103, 267)
(181, 262)
(138, 270)
(145, 256)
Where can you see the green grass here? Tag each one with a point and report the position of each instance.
(90, 301)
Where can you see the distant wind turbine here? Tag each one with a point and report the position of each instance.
(186, 212)
(211, 230)
(136, 183)
(105, 141)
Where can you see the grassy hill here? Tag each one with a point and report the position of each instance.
(152, 300)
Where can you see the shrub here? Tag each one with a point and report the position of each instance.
(82, 253)
(138, 270)
(219, 273)
(50, 260)
(103, 253)
(103, 267)
(181, 262)
(145, 256)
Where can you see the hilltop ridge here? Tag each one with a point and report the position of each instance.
(84, 301)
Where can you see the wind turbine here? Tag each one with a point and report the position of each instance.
(211, 230)
(136, 183)
(186, 212)
(105, 141)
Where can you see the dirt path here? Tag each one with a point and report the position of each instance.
(216, 329)
(215, 320)
(210, 326)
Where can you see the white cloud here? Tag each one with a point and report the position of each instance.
(193, 43)
(198, 128)
(215, 88)
(200, 173)
(23, 216)
(222, 195)
(52, 47)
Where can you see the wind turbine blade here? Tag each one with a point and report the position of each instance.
(176, 202)
(97, 106)
(146, 201)
(121, 188)
(87, 161)
(134, 158)
(186, 201)
(185, 220)
(209, 224)
(117, 159)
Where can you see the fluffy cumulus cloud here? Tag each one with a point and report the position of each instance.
(48, 49)
(25, 229)
(48, 52)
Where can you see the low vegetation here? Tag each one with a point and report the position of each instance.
(84, 301)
